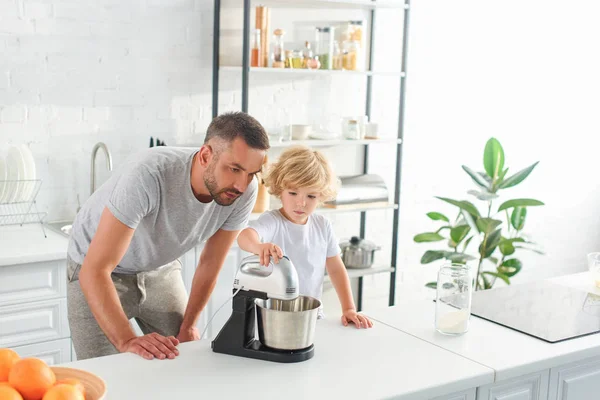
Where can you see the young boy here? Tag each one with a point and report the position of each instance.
(302, 178)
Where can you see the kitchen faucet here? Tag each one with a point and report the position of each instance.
(93, 169)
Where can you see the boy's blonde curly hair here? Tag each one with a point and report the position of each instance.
(301, 167)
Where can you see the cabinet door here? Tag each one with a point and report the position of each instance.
(465, 395)
(577, 381)
(527, 387)
(33, 282)
(53, 352)
(34, 322)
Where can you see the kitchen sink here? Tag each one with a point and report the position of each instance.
(62, 227)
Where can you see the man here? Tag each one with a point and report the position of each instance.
(122, 257)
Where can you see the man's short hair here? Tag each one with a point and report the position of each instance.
(232, 125)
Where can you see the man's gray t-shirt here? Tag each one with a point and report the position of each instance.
(152, 194)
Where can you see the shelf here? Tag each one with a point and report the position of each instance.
(345, 209)
(333, 142)
(309, 72)
(317, 143)
(360, 4)
(357, 273)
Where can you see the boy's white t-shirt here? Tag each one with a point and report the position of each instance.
(307, 246)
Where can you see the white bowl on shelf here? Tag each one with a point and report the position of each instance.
(300, 132)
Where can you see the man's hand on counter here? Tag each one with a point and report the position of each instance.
(188, 335)
(152, 346)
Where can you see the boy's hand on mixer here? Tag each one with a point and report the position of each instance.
(268, 250)
(359, 320)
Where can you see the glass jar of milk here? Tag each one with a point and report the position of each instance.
(453, 305)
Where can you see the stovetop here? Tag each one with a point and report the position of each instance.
(542, 309)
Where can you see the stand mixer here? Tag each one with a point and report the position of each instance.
(252, 282)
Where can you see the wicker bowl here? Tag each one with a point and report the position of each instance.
(95, 387)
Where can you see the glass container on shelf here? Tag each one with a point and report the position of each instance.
(255, 58)
(296, 59)
(351, 55)
(352, 130)
(324, 50)
(338, 57)
(278, 55)
(308, 59)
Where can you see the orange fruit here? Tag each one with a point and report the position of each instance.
(63, 392)
(7, 359)
(32, 378)
(8, 393)
(72, 382)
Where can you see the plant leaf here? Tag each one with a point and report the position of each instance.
(432, 255)
(518, 177)
(517, 219)
(486, 283)
(442, 228)
(497, 275)
(432, 285)
(478, 179)
(428, 237)
(485, 196)
(493, 158)
(519, 203)
(486, 178)
(502, 175)
(462, 204)
(461, 258)
(510, 267)
(506, 247)
(531, 249)
(487, 247)
(494, 260)
(436, 216)
(466, 243)
(458, 233)
(487, 225)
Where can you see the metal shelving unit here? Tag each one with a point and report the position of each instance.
(372, 6)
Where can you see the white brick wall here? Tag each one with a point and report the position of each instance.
(73, 73)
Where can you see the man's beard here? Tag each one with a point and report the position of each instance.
(216, 193)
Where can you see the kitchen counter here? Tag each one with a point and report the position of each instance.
(27, 244)
(510, 353)
(349, 363)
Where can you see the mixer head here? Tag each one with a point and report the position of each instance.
(278, 281)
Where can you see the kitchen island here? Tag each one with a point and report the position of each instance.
(348, 363)
(401, 357)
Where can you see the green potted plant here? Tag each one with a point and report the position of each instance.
(498, 231)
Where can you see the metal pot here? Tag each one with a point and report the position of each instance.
(358, 253)
(287, 324)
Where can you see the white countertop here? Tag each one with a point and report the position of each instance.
(27, 244)
(349, 363)
(508, 352)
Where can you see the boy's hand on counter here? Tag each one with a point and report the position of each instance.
(359, 320)
(268, 250)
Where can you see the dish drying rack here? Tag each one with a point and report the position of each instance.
(23, 209)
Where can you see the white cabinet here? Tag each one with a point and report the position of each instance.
(526, 387)
(33, 310)
(33, 322)
(465, 395)
(30, 282)
(577, 381)
(53, 352)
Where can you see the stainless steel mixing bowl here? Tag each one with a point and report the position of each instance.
(287, 324)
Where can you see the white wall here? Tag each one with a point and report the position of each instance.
(525, 72)
(76, 72)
